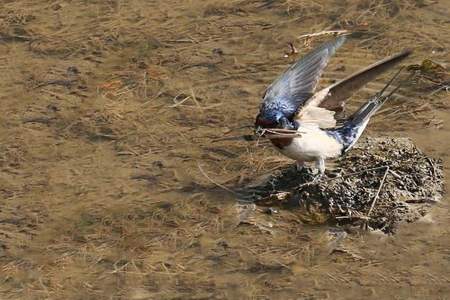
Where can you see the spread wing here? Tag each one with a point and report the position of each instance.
(297, 84)
(344, 89)
(321, 108)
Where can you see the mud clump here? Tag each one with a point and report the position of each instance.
(380, 183)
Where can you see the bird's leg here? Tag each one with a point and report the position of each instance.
(300, 164)
(320, 165)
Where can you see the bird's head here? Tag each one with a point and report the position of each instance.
(275, 119)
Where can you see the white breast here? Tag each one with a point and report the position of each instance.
(314, 143)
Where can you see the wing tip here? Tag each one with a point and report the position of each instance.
(395, 58)
(405, 52)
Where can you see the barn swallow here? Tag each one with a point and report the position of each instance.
(303, 122)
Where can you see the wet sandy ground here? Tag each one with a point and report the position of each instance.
(110, 107)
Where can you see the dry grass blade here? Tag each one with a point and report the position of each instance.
(180, 102)
(378, 191)
(214, 182)
(279, 133)
(324, 32)
(281, 136)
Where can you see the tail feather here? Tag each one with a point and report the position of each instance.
(365, 112)
(352, 129)
(373, 105)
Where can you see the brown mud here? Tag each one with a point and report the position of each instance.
(117, 116)
(380, 184)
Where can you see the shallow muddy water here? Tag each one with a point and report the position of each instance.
(113, 114)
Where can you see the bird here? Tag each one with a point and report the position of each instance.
(302, 123)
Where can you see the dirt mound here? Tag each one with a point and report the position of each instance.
(380, 183)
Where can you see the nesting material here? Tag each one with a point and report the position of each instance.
(380, 183)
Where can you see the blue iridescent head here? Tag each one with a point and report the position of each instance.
(274, 119)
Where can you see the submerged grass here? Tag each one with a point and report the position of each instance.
(101, 194)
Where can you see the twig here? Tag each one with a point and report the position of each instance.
(430, 161)
(351, 217)
(145, 85)
(279, 130)
(281, 136)
(14, 38)
(395, 174)
(378, 191)
(63, 82)
(445, 87)
(363, 171)
(278, 133)
(214, 182)
(39, 119)
(195, 98)
(422, 200)
(180, 41)
(324, 32)
(180, 102)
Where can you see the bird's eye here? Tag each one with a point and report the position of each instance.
(284, 123)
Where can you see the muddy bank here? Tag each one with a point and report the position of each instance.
(379, 184)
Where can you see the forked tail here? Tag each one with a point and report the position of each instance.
(352, 129)
(368, 109)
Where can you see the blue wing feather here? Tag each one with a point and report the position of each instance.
(297, 84)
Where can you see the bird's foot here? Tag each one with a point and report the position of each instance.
(320, 164)
(319, 171)
(317, 178)
(315, 171)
